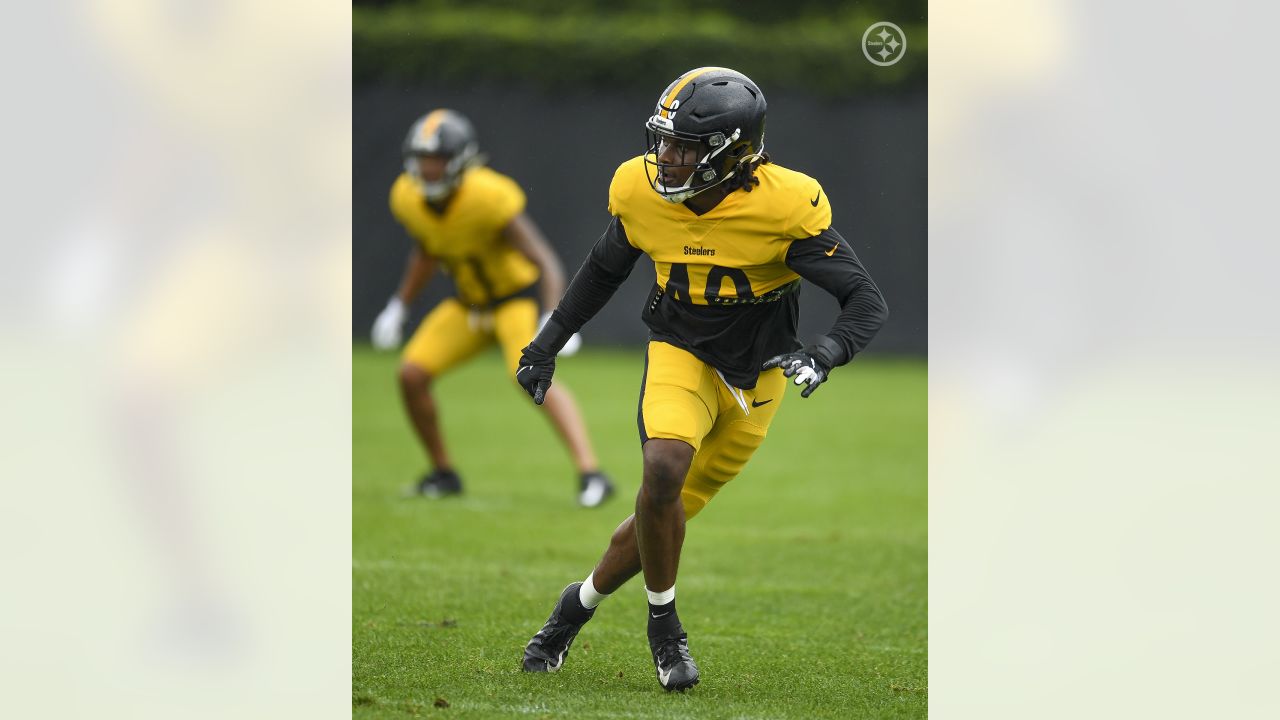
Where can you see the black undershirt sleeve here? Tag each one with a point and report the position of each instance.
(827, 261)
(606, 267)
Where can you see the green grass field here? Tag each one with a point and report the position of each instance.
(803, 586)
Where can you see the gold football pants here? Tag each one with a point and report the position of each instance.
(453, 333)
(683, 398)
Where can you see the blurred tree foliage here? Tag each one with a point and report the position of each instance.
(807, 45)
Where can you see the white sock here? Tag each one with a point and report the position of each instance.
(661, 598)
(588, 595)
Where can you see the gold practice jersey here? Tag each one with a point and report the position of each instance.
(467, 235)
(728, 281)
(736, 252)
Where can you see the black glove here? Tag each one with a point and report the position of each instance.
(810, 366)
(538, 360)
(535, 371)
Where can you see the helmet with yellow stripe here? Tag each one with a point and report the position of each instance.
(707, 123)
(444, 134)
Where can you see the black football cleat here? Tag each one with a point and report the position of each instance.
(440, 483)
(676, 669)
(548, 649)
(594, 489)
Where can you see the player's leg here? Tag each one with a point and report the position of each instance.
(733, 440)
(515, 323)
(679, 406)
(675, 397)
(721, 456)
(660, 516)
(723, 453)
(620, 562)
(415, 391)
(446, 337)
(562, 409)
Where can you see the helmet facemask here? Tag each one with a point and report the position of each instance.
(709, 170)
(440, 189)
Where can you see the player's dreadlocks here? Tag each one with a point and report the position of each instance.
(745, 178)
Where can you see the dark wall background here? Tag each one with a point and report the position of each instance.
(869, 154)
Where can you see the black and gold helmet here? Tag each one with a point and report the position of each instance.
(445, 133)
(720, 109)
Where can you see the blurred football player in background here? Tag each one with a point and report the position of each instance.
(730, 235)
(471, 220)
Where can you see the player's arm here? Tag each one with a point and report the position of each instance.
(387, 327)
(607, 265)
(827, 261)
(524, 234)
(417, 272)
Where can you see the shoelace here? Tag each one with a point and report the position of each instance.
(561, 630)
(673, 651)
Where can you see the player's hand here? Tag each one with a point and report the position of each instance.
(386, 329)
(571, 346)
(803, 366)
(535, 371)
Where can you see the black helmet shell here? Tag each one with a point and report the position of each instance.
(719, 108)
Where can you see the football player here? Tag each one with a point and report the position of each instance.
(730, 235)
(470, 221)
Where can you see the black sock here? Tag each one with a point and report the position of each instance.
(573, 611)
(663, 621)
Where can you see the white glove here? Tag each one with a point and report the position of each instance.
(386, 329)
(571, 347)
